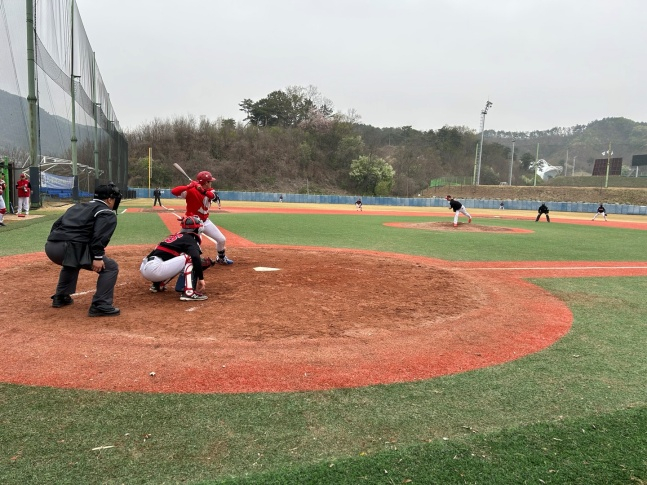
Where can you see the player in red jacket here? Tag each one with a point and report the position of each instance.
(3, 207)
(199, 195)
(23, 189)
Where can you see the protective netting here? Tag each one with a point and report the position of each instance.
(69, 88)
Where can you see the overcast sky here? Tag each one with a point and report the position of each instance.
(423, 63)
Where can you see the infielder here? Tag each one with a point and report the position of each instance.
(199, 195)
(179, 254)
(601, 210)
(458, 209)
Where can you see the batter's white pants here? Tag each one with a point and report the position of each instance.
(23, 203)
(461, 211)
(214, 233)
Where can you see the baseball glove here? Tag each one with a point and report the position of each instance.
(207, 263)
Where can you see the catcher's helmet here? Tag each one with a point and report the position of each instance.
(204, 177)
(192, 224)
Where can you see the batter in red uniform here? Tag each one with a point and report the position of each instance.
(199, 195)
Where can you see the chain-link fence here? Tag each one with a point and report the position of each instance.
(76, 134)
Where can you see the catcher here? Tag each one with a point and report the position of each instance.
(179, 254)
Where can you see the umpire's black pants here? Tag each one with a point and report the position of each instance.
(104, 296)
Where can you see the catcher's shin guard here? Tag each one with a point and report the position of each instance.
(188, 277)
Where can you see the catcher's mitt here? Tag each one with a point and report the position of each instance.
(207, 263)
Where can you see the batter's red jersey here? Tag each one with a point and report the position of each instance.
(198, 201)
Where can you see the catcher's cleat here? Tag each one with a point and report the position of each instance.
(158, 287)
(223, 260)
(59, 301)
(195, 296)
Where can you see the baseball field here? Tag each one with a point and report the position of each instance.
(382, 346)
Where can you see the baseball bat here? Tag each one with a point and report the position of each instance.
(177, 165)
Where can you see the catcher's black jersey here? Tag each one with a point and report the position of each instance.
(181, 243)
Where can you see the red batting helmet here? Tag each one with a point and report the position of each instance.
(192, 224)
(204, 177)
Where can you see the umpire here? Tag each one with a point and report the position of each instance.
(543, 209)
(78, 240)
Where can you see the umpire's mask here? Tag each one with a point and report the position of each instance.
(109, 191)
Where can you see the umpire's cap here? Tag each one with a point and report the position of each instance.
(108, 191)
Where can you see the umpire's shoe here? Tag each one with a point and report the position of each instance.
(59, 301)
(96, 311)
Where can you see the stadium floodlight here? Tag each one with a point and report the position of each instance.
(483, 113)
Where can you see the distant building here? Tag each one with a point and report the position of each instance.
(547, 171)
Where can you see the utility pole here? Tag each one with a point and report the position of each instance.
(511, 163)
(483, 113)
(536, 166)
(476, 159)
(606, 181)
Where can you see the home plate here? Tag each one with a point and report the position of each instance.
(263, 268)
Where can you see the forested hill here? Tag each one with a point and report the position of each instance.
(584, 143)
(318, 155)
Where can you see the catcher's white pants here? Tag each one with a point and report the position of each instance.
(154, 269)
(214, 233)
(23, 203)
(460, 211)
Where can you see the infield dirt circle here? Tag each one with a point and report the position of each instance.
(320, 319)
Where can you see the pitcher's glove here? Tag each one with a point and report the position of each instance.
(207, 263)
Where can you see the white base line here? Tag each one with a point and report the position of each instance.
(569, 268)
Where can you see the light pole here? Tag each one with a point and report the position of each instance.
(511, 163)
(483, 113)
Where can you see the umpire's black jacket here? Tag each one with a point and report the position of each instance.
(91, 223)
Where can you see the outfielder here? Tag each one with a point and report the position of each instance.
(601, 210)
(199, 195)
(458, 209)
(179, 254)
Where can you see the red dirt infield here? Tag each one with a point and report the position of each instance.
(308, 324)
